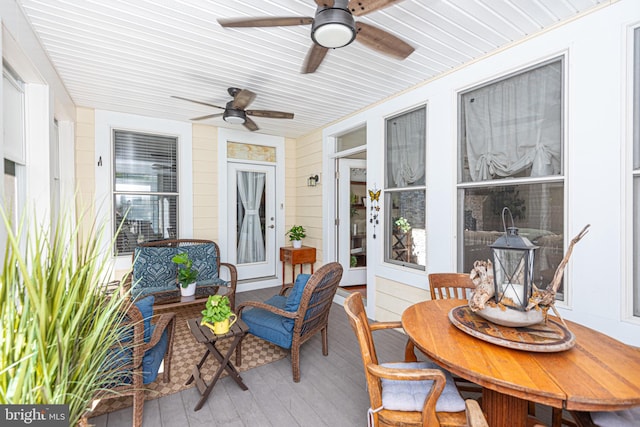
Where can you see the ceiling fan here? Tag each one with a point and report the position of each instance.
(235, 111)
(333, 26)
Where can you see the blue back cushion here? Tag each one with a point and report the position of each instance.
(293, 300)
(145, 305)
(153, 270)
(205, 260)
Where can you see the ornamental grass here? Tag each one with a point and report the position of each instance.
(57, 323)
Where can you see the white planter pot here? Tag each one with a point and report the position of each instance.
(190, 290)
(297, 243)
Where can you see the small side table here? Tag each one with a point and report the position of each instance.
(294, 256)
(204, 335)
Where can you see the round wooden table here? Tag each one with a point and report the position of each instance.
(598, 374)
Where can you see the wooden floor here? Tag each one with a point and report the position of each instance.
(331, 391)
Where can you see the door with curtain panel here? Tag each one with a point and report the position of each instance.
(251, 219)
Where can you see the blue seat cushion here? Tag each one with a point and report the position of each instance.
(145, 305)
(268, 326)
(153, 268)
(401, 395)
(622, 418)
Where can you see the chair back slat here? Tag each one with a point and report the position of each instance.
(317, 299)
(450, 286)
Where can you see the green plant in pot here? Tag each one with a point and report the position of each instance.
(217, 314)
(187, 275)
(402, 224)
(296, 234)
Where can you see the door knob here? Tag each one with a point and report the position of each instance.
(272, 226)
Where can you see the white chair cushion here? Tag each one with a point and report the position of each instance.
(622, 418)
(400, 395)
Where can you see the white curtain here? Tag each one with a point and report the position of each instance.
(250, 241)
(515, 124)
(406, 152)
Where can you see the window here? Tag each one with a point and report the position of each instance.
(405, 189)
(13, 143)
(145, 187)
(636, 171)
(510, 154)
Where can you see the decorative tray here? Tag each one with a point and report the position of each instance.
(542, 337)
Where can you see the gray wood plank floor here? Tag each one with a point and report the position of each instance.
(331, 391)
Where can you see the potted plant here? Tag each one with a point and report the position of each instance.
(402, 224)
(296, 234)
(217, 314)
(187, 275)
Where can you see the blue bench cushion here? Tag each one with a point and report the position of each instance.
(153, 270)
(410, 395)
(267, 325)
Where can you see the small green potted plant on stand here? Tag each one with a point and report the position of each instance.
(296, 234)
(217, 314)
(187, 275)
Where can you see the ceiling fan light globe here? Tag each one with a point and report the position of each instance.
(235, 117)
(333, 28)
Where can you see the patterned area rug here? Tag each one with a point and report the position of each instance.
(187, 353)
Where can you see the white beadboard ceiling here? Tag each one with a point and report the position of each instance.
(131, 55)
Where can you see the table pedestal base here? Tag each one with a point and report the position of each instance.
(503, 410)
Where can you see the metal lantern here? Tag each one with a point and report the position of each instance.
(512, 267)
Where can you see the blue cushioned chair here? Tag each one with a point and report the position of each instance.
(136, 361)
(289, 321)
(154, 271)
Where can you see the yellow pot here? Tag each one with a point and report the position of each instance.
(221, 328)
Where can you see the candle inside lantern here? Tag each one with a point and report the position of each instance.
(513, 291)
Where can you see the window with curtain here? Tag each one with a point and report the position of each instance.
(636, 172)
(510, 154)
(405, 189)
(145, 188)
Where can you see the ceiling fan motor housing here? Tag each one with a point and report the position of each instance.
(333, 27)
(233, 115)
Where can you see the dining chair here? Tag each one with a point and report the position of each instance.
(407, 394)
(288, 321)
(448, 286)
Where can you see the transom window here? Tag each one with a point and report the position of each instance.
(145, 188)
(405, 189)
(510, 153)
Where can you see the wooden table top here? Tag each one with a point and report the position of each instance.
(598, 374)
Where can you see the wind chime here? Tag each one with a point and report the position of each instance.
(374, 210)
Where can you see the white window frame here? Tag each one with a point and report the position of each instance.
(632, 287)
(105, 122)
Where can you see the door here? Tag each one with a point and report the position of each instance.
(251, 219)
(352, 213)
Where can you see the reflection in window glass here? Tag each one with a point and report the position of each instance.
(145, 181)
(538, 212)
(407, 229)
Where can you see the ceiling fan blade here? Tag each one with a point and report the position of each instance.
(382, 41)
(243, 99)
(250, 124)
(325, 3)
(282, 21)
(197, 102)
(208, 116)
(269, 114)
(314, 58)
(362, 7)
